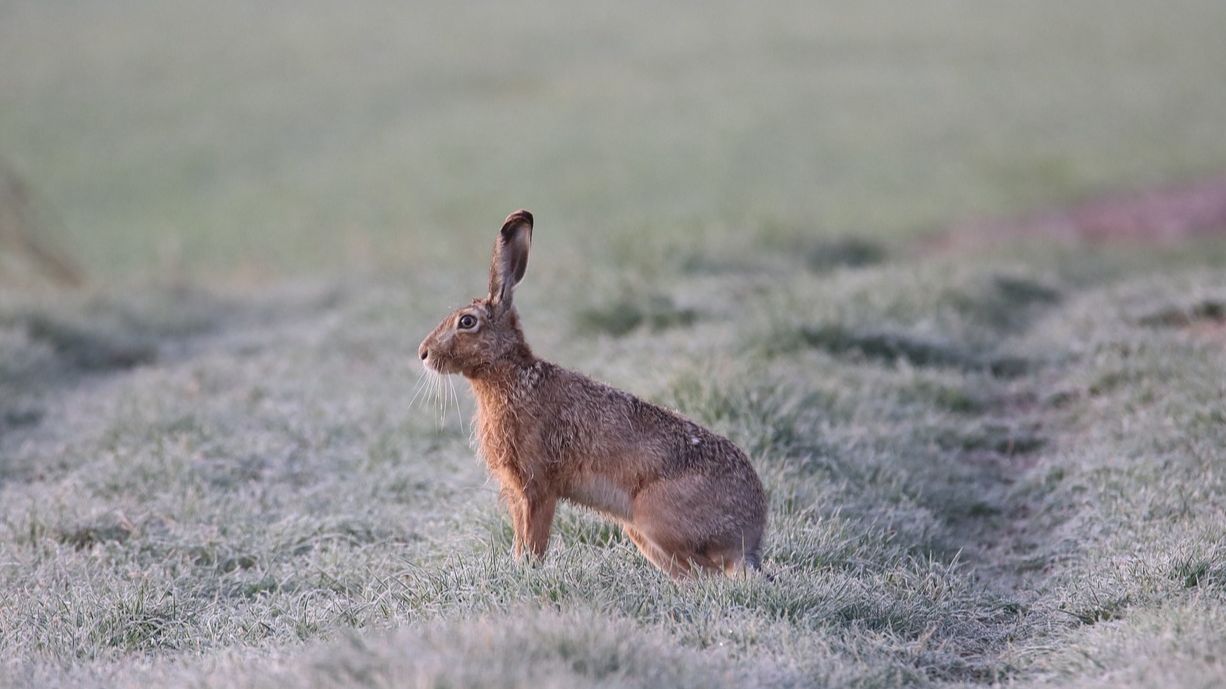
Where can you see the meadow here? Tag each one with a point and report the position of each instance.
(989, 462)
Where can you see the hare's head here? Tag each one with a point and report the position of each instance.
(477, 337)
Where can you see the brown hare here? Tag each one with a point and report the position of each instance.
(688, 498)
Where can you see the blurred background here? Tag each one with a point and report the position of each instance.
(237, 142)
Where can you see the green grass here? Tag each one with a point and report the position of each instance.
(995, 466)
(252, 139)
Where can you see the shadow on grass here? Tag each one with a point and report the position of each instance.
(47, 345)
(895, 346)
(848, 252)
(103, 334)
(654, 312)
(86, 344)
(1204, 311)
(1005, 303)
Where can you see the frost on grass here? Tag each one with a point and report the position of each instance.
(261, 495)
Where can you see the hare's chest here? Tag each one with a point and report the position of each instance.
(506, 440)
(497, 443)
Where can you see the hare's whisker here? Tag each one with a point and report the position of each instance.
(446, 399)
(455, 397)
(438, 397)
(421, 385)
(427, 386)
(434, 395)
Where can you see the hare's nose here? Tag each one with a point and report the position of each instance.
(423, 352)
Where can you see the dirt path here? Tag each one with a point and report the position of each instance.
(1159, 214)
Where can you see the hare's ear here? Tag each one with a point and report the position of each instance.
(510, 257)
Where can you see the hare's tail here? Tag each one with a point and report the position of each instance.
(753, 563)
(753, 560)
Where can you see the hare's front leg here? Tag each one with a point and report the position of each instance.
(537, 522)
(515, 500)
(515, 506)
(531, 511)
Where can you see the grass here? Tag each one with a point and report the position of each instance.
(993, 466)
(247, 140)
(214, 510)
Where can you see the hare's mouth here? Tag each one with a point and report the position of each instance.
(438, 364)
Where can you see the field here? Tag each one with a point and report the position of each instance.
(991, 459)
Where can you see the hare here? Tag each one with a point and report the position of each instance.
(688, 498)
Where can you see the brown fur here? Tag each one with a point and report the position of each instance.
(688, 498)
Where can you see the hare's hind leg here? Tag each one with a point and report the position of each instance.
(685, 520)
(675, 567)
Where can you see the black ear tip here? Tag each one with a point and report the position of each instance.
(519, 217)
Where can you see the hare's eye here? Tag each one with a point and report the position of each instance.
(468, 322)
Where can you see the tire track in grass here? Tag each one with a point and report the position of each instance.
(68, 354)
(1009, 534)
